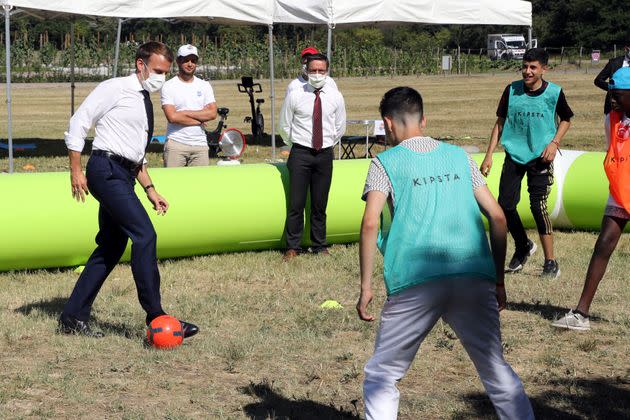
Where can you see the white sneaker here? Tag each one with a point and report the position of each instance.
(573, 321)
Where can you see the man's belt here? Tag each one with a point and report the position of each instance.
(299, 146)
(122, 161)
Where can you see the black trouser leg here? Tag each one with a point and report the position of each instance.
(111, 243)
(539, 182)
(299, 165)
(509, 197)
(112, 186)
(320, 187)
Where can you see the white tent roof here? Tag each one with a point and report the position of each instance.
(477, 12)
(484, 12)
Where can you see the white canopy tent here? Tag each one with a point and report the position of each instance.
(270, 12)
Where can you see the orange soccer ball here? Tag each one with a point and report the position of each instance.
(165, 332)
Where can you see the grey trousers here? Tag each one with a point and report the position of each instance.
(469, 306)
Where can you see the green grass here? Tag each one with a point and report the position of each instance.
(267, 350)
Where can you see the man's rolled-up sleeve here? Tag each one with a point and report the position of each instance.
(97, 103)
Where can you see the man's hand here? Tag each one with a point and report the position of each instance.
(159, 203)
(486, 165)
(362, 304)
(501, 297)
(78, 182)
(549, 154)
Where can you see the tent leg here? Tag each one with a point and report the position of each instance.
(72, 65)
(272, 96)
(7, 40)
(117, 49)
(329, 48)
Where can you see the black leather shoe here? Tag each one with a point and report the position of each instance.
(71, 325)
(189, 329)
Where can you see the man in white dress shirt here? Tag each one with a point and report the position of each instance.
(302, 79)
(122, 113)
(312, 120)
(188, 103)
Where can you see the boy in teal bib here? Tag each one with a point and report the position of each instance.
(528, 130)
(437, 262)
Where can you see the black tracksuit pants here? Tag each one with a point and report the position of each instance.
(539, 182)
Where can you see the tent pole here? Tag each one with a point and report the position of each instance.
(329, 47)
(7, 42)
(72, 65)
(529, 37)
(272, 96)
(117, 49)
(331, 26)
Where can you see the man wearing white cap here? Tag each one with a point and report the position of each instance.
(188, 103)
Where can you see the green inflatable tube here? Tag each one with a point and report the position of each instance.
(236, 208)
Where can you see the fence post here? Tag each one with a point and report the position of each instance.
(438, 60)
(580, 61)
(614, 50)
(466, 63)
(459, 60)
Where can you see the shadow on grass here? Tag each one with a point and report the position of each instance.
(598, 398)
(52, 308)
(544, 310)
(274, 405)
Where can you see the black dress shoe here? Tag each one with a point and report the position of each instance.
(71, 325)
(189, 329)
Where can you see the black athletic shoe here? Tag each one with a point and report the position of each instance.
(71, 325)
(551, 270)
(520, 258)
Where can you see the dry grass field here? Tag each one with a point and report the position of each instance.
(460, 109)
(266, 349)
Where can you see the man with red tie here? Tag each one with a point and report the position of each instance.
(312, 121)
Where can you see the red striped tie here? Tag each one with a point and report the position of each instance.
(318, 136)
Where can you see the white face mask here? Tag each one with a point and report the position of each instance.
(154, 82)
(317, 80)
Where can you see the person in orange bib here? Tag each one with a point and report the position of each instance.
(616, 214)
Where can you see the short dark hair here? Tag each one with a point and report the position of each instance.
(154, 47)
(401, 101)
(536, 54)
(317, 57)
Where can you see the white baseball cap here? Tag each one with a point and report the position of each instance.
(186, 50)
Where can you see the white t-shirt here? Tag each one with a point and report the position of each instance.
(193, 96)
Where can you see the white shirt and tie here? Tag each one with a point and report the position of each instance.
(296, 116)
(116, 109)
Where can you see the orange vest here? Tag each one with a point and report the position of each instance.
(617, 161)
